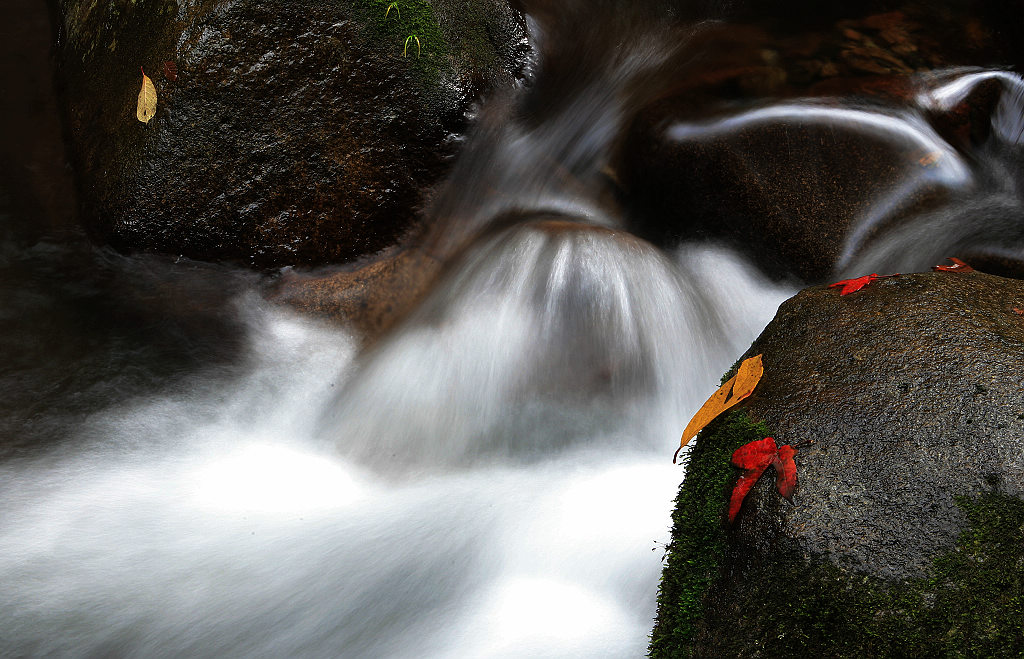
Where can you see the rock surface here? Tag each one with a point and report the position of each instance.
(910, 391)
(371, 298)
(784, 142)
(33, 161)
(293, 132)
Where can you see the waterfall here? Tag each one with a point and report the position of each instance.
(190, 470)
(494, 480)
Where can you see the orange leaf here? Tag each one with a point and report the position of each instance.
(854, 285)
(737, 388)
(929, 159)
(785, 470)
(739, 492)
(747, 376)
(958, 266)
(754, 458)
(756, 455)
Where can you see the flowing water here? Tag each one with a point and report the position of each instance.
(502, 487)
(189, 470)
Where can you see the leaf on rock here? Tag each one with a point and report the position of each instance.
(147, 99)
(930, 159)
(754, 458)
(170, 71)
(735, 389)
(853, 285)
(785, 471)
(739, 492)
(745, 381)
(958, 266)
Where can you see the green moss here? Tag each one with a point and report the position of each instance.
(782, 606)
(411, 18)
(979, 588)
(698, 546)
(728, 375)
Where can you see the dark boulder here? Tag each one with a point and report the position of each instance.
(286, 131)
(34, 176)
(800, 147)
(907, 533)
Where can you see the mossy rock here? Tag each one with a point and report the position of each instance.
(295, 132)
(699, 542)
(907, 534)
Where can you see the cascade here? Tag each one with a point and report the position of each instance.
(214, 475)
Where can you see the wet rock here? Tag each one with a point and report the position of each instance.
(33, 163)
(786, 191)
(744, 150)
(293, 132)
(370, 299)
(814, 188)
(909, 513)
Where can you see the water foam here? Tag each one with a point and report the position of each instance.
(233, 529)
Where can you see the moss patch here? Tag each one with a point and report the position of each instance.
(979, 588)
(394, 27)
(698, 546)
(782, 606)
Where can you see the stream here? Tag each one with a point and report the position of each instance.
(187, 469)
(183, 507)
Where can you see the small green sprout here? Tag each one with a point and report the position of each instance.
(393, 5)
(405, 51)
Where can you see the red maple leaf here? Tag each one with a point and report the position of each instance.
(958, 266)
(854, 285)
(754, 458)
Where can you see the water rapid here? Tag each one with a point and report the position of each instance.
(502, 487)
(189, 470)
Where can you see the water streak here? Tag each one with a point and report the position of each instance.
(233, 530)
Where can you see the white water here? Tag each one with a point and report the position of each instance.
(439, 498)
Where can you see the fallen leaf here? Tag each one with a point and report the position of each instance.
(734, 390)
(930, 159)
(958, 266)
(756, 455)
(171, 71)
(743, 485)
(1019, 312)
(747, 376)
(854, 285)
(785, 472)
(754, 458)
(147, 99)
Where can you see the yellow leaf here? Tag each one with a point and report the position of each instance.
(747, 377)
(734, 390)
(147, 99)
